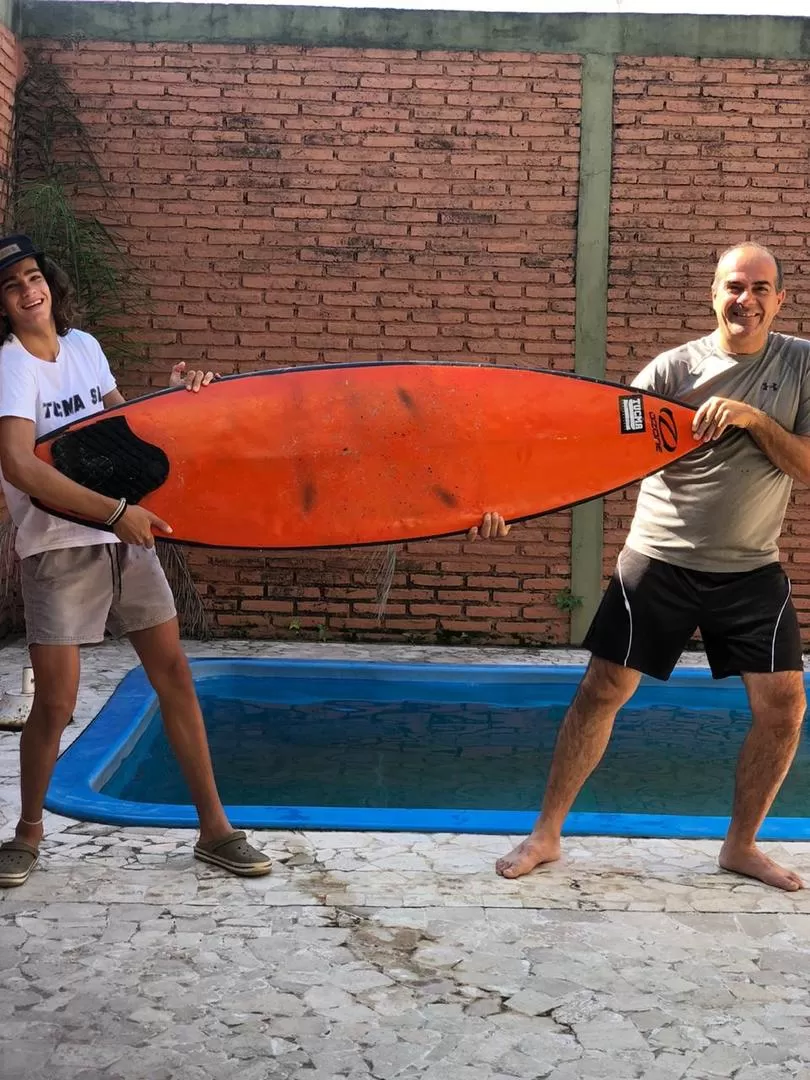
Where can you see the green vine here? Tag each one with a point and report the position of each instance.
(568, 601)
(53, 169)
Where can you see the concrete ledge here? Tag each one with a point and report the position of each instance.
(10, 15)
(635, 35)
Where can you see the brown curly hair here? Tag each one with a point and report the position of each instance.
(63, 299)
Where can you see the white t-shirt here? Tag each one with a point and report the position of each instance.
(52, 394)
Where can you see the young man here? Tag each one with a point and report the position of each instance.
(702, 552)
(77, 581)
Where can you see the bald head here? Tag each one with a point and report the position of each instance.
(747, 294)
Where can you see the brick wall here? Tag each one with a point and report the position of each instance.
(291, 205)
(706, 153)
(9, 66)
(299, 205)
(9, 61)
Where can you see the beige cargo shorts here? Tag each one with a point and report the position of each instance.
(73, 595)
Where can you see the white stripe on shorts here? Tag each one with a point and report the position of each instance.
(778, 620)
(627, 608)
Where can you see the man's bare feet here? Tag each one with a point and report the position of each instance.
(753, 863)
(531, 852)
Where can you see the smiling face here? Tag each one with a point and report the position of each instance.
(25, 298)
(746, 299)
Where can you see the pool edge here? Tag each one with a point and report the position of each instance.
(93, 754)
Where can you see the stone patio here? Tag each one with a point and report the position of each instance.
(389, 955)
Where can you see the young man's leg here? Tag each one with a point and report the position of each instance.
(55, 606)
(167, 668)
(778, 704)
(143, 610)
(581, 742)
(56, 684)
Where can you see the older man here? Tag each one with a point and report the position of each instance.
(702, 552)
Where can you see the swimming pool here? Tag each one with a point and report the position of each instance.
(420, 747)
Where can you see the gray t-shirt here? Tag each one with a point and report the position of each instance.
(721, 508)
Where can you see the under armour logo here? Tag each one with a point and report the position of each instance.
(769, 386)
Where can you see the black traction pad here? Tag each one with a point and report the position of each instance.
(108, 457)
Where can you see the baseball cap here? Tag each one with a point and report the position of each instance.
(15, 248)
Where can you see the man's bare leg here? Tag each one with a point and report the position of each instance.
(167, 668)
(56, 686)
(581, 742)
(778, 704)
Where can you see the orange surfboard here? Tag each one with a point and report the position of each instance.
(350, 454)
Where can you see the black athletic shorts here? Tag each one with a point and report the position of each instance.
(651, 609)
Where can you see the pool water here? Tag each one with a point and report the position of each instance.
(465, 757)
(442, 746)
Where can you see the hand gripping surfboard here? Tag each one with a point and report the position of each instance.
(339, 455)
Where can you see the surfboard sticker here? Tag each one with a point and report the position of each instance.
(342, 455)
(631, 414)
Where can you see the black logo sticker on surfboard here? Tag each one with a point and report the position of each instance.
(631, 414)
(664, 431)
(110, 458)
(668, 430)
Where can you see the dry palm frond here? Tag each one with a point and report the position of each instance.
(9, 574)
(191, 612)
(380, 566)
(8, 558)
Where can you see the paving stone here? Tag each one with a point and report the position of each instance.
(124, 959)
(773, 1072)
(722, 1060)
(435, 956)
(359, 979)
(536, 1002)
(595, 1066)
(390, 1061)
(669, 1066)
(484, 1006)
(23, 1062)
(610, 1032)
(78, 1056)
(457, 1072)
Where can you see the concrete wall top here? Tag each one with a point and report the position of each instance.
(9, 14)
(629, 35)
